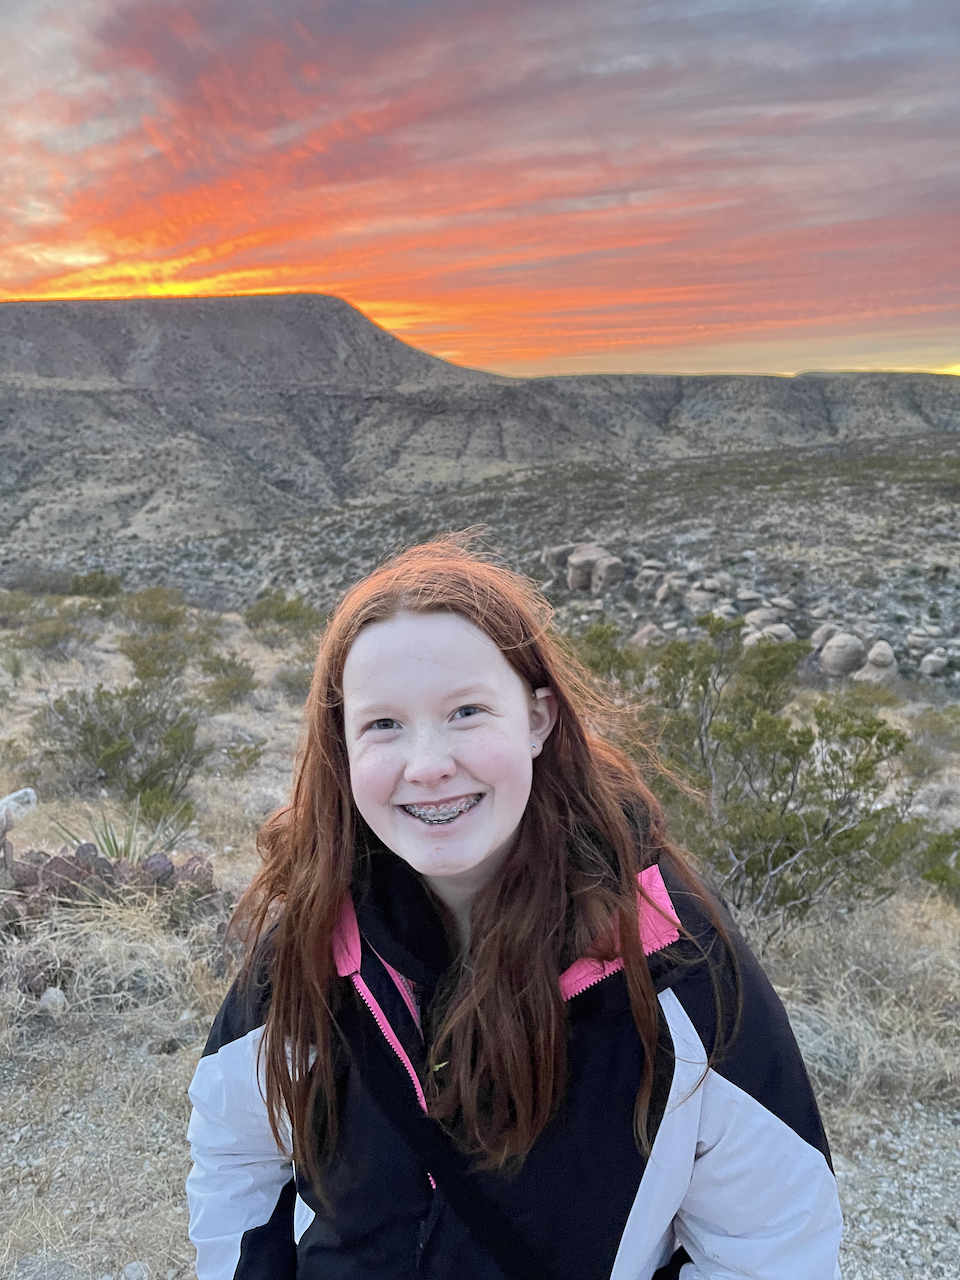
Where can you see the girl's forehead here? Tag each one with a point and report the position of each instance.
(422, 648)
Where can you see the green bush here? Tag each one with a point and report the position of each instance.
(57, 636)
(233, 679)
(276, 618)
(16, 608)
(159, 656)
(156, 609)
(796, 809)
(244, 756)
(141, 740)
(294, 681)
(98, 585)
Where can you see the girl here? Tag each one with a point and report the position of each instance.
(490, 1025)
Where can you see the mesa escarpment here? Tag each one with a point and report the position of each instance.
(142, 423)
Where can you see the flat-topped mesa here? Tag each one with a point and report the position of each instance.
(206, 345)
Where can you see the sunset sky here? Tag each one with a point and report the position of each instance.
(530, 186)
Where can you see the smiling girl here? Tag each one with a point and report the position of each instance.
(491, 1024)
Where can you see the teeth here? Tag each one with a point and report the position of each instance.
(436, 813)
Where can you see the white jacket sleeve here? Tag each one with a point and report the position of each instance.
(761, 1203)
(240, 1191)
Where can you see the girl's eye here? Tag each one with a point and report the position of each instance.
(384, 723)
(462, 713)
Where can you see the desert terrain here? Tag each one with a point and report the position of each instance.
(255, 456)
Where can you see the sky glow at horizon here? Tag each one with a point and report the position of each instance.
(528, 187)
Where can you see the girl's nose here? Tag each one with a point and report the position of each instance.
(429, 761)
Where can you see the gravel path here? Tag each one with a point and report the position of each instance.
(899, 1176)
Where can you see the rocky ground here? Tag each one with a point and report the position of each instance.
(867, 538)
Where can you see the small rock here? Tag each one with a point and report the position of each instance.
(760, 618)
(780, 632)
(136, 1271)
(580, 563)
(819, 611)
(934, 664)
(667, 588)
(648, 634)
(711, 584)
(842, 654)
(698, 601)
(19, 802)
(54, 1003)
(826, 631)
(658, 565)
(158, 869)
(607, 573)
(86, 855)
(784, 603)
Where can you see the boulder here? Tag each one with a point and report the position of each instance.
(607, 574)
(711, 584)
(669, 587)
(19, 803)
(648, 634)
(843, 654)
(881, 664)
(657, 565)
(746, 596)
(934, 664)
(826, 631)
(556, 557)
(760, 618)
(882, 655)
(698, 601)
(580, 563)
(780, 632)
(784, 603)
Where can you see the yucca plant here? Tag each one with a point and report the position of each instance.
(133, 841)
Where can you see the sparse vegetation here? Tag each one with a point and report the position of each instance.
(798, 808)
(232, 680)
(138, 741)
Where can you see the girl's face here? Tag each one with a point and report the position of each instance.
(441, 734)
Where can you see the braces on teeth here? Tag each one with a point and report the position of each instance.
(442, 813)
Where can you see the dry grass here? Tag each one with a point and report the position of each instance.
(874, 998)
(92, 1150)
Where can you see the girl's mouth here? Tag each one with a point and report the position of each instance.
(435, 814)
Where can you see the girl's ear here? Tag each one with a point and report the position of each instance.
(543, 714)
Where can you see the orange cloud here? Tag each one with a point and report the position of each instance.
(513, 186)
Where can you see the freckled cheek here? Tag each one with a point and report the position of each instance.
(373, 778)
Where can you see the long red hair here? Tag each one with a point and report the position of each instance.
(568, 888)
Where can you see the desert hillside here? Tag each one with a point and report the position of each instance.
(133, 425)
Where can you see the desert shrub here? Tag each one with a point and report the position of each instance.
(57, 636)
(294, 681)
(793, 819)
(141, 740)
(935, 737)
(232, 680)
(276, 618)
(97, 584)
(156, 609)
(160, 656)
(16, 608)
(244, 756)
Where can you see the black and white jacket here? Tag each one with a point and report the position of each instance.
(738, 1184)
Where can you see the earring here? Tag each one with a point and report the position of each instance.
(534, 745)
